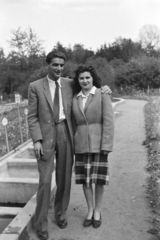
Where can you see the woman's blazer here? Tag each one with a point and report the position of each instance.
(94, 125)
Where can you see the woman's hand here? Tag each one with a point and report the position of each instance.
(106, 89)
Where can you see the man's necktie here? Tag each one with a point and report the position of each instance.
(56, 103)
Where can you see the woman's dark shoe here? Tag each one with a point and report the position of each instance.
(97, 223)
(88, 222)
(42, 235)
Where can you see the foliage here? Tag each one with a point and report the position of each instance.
(150, 38)
(141, 73)
(13, 129)
(27, 54)
(103, 69)
(122, 48)
(25, 43)
(152, 111)
(124, 65)
(77, 55)
(69, 69)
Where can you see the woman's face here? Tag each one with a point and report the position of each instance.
(85, 81)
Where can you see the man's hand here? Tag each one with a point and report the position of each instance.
(106, 89)
(38, 149)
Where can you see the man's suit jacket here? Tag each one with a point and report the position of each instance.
(40, 115)
(94, 123)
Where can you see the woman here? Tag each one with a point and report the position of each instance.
(93, 139)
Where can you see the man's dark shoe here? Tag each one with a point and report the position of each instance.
(42, 235)
(62, 223)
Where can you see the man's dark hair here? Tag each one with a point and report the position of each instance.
(82, 69)
(54, 54)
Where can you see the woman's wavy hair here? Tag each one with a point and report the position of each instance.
(82, 69)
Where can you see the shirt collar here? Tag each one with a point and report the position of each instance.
(51, 81)
(92, 91)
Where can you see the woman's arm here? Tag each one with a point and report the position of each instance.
(108, 124)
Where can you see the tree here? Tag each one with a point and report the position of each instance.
(69, 69)
(122, 48)
(26, 56)
(67, 51)
(27, 51)
(25, 43)
(3, 70)
(80, 54)
(150, 38)
(103, 69)
(138, 74)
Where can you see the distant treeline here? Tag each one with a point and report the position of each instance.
(124, 65)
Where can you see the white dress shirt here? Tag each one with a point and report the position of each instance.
(52, 87)
(85, 97)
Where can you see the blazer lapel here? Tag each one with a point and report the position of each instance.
(64, 95)
(88, 101)
(47, 92)
(79, 102)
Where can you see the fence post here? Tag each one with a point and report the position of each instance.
(19, 119)
(5, 129)
(4, 123)
(26, 113)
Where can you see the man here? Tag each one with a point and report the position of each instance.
(50, 126)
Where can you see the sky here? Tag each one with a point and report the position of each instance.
(91, 23)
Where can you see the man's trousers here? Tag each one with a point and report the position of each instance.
(62, 149)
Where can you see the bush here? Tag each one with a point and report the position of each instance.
(13, 129)
(139, 74)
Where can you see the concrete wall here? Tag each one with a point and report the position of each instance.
(15, 190)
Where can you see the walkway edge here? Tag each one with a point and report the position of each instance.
(19, 228)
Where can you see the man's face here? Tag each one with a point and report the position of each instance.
(55, 68)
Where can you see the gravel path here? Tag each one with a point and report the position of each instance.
(125, 212)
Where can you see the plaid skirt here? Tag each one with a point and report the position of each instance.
(91, 168)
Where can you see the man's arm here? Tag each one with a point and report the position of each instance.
(105, 89)
(33, 121)
(38, 149)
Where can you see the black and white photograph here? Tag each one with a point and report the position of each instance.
(79, 119)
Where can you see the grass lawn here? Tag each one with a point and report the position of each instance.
(152, 143)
